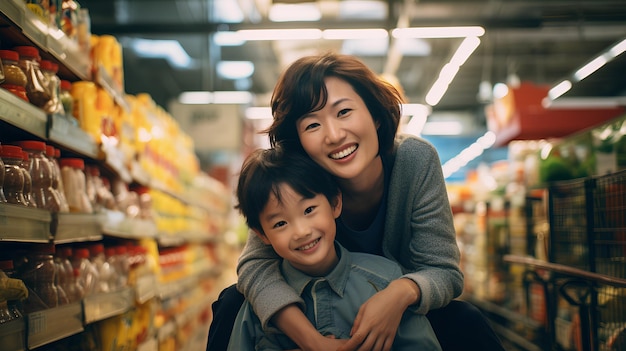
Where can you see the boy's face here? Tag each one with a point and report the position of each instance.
(302, 231)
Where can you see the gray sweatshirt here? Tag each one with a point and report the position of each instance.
(424, 244)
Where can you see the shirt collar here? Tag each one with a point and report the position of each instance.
(337, 278)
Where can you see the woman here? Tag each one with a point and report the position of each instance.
(336, 110)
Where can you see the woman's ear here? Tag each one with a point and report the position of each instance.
(337, 205)
(262, 236)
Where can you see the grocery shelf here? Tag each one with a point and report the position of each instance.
(54, 324)
(101, 306)
(71, 137)
(24, 224)
(75, 227)
(23, 115)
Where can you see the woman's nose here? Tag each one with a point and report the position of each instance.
(334, 132)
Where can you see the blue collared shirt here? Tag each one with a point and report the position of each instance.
(331, 304)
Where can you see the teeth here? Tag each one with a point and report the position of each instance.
(308, 246)
(343, 153)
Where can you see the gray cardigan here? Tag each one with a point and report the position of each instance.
(424, 244)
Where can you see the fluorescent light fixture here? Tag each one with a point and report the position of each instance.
(259, 113)
(171, 50)
(217, 97)
(195, 98)
(415, 110)
(235, 69)
(618, 48)
(306, 12)
(560, 89)
(280, 34)
(590, 67)
(438, 32)
(226, 11)
(449, 70)
(232, 97)
(467, 47)
(344, 34)
(226, 38)
(442, 128)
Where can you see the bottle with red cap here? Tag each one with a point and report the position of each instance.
(28, 183)
(65, 276)
(57, 182)
(13, 186)
(53, 86)
(41, 176)
(39, 274)
(35, 86)
(73, 177)
(85, 271)
(14, 77)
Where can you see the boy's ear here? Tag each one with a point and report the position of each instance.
(338, 203)
(262, 236)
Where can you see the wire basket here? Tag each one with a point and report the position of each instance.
(609, 225)
(568, 216)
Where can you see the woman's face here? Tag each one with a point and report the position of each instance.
(341, 137)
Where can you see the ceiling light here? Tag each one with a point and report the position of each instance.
(235, 69)
(216, 97)
(465, 50)
(343, 34)
(559, 89)
(468, 154)
(307, 12)
(438, 32)
(225, 38)
(618, 48)
(279, 34)
(590, 67)
(442, 128)
(259, 113)
(171, 50)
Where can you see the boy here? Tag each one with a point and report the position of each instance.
(291, 203)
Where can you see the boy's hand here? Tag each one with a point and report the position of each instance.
(377, 322)
(331, 343)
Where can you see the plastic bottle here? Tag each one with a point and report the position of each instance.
(57, 181)
(41, 176)
(68, 102)
(99, 260)
(66, 278)
(35, 87)
(28, 183)
(38, 273)
(13, 186)
(84, 97)
(73, 178)
(123, 265)
(85, 271)
(112, 260)
(14, 76)
(53, 87)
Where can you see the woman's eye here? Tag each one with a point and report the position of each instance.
(279, 224)
(343, 112)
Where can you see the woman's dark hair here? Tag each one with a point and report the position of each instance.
(264, 170)
(301, 90)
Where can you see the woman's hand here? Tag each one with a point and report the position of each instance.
(377, 322)
(296, 326)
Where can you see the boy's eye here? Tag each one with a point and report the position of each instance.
(279, 224)
(309, 209)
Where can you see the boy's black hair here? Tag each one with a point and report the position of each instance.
(264, 170)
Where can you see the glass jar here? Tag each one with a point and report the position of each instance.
(57, 182)
(13, 186)
(13, 74)
(73, 177)
(35, 87)
(28, 183)
(53, 87)
(39, 273)
(41, 175)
